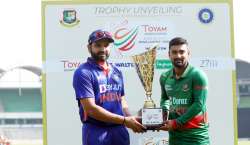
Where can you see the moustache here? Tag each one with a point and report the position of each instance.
(101, 53)
(177, 59)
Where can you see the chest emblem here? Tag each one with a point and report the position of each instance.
(185, 88)
(116, 78)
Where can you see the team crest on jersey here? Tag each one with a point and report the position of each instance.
(185, 88)
(116, 77)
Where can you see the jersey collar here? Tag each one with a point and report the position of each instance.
(92, 62)
(172, 74)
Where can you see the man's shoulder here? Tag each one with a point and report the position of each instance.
(83, 69)
(166, 73)
(115, 68)
(196, 71)
(198, 74)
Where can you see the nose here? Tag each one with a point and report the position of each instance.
(178, 55)
(102, 48)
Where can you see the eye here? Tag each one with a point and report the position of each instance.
(174, 52)
(97, 45)
(182, 51)
(106, 44)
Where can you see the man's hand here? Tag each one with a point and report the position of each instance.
(169, 125)
(132, 123)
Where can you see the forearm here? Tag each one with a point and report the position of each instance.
(196, 108)
(193, 111)
(125, 107)
(102, 114)
(164, 103)
(99, 113)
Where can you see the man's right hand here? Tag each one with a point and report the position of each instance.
(132, 123)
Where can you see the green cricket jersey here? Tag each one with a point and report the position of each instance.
(185, 99)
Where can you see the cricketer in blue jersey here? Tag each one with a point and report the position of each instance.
(99, 90)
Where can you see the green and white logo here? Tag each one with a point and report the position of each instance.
(163, 64)
(69, 18)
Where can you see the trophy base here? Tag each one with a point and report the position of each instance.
(148, 126)
(153, 127)
(152, 118)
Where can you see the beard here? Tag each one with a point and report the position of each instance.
(178, 63)
(100, 56)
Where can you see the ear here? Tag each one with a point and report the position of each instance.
(89, 47)
(188, 52)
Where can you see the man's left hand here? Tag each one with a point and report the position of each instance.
(169, 125)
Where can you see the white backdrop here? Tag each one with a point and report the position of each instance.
(209, 38)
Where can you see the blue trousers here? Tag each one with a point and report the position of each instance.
(99, 135)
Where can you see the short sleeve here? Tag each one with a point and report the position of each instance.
(82, 83)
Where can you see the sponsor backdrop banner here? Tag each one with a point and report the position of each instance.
(137, 27)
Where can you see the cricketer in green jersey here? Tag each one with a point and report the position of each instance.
(183, 94)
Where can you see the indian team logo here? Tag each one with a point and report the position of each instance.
(185, 88)
(69, 18)
(116, 77)
(206, 15)
(125, 39)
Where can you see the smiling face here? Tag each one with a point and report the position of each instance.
(179, 55)
(100, 50)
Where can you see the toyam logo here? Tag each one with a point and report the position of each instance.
(154, 29)
(69, 18)
(135, 37)
(125, 39)
(69, 65)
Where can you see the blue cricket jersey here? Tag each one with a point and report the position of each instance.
(90, 81)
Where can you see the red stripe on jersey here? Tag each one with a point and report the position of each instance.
(196, 121)
(200, 87)
(104, 67)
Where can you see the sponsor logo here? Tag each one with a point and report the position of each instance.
(163, 64)
(69, 18)
(179, 101)
(205, 15)
(123, 64)
(125, 39)
(109, 87)
(102, 88)
(137, 37)
(70, 65)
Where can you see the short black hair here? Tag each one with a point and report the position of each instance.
(177, 41)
